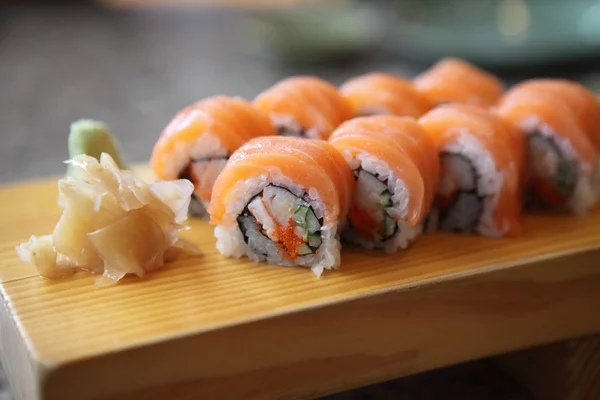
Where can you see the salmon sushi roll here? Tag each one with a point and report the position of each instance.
(396, 167)
(481, 170)
(453, 80)
(561, 121)
(582, 101)
(283, 200)
(304, 106)
(381, 93)
(199, 140)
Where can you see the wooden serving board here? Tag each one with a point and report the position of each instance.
(210, 327)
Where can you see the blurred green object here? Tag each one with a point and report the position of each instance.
(593, 83)
(314, 33)
(498, 33)
(92, 138)
(488, 32)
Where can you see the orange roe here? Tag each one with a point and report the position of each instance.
(288, 240)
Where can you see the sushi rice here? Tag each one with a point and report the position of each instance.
(385, 198)
(553, 160)
(286, 125)
(265, 203)
(469, 189)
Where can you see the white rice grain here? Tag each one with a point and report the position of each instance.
(399, 210)
(230, 239)
(587, 189)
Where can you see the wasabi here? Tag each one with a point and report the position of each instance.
(92, 138)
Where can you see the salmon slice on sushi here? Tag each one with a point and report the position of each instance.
(561, 120)
(382, 93)
(481, 170)
(283, 200)
(396, 169)
(453, 80)
(304, 106)
(199, 140)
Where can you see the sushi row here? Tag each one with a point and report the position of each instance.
(200, 138)
(381, 159)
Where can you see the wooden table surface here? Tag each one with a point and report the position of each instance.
(217, 327)
(61, 63)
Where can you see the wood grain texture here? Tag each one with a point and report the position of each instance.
(210, 327)
(568, 370)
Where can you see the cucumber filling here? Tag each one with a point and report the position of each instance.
(552, 177)
(370, 214)
(458, 202)
(276, 221)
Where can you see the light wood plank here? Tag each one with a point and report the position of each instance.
(208, 326)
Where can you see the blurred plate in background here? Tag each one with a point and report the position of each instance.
(495, 33)
(492, 33)
(314, 33)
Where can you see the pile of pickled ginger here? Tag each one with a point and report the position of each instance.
(112, 223)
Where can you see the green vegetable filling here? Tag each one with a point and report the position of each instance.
(565, 178)
(304, 217)
(389, 223)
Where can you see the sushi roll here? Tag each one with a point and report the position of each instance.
(481, 170)
(283, 200)
(452, 80)
(199, 140)
(382, 93)
(396, 167)
(304, 106)
(561, 120)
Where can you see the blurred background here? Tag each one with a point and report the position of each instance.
(134, 63)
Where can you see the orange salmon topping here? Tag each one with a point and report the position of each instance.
(205, 196)
(233, 120)
(311, 102)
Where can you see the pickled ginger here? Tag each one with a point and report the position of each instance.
(112, 223)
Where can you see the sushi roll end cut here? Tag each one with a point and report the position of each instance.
(283, 200)
(481, 171)
(199, 140)
(561, 123)
(396, 168)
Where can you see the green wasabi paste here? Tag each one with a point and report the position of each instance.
(93, 138)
